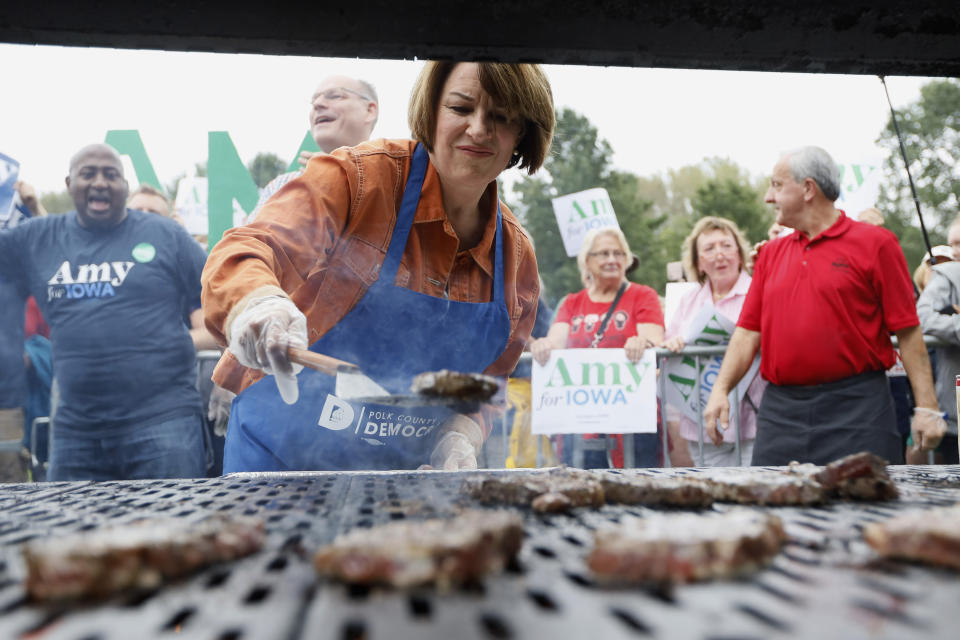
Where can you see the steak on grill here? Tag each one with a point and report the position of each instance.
(931, 536)
(682, 491)
(443, 552)
(454, 384)
(554, 490)
(139, 556)
(762, 487)
(860, 476)
(685, 547)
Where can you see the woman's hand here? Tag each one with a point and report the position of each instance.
(261, 334)
(541, 348)
(675, 344)
(635, 346)
(459, 445)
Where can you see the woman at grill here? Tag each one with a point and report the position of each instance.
(612, 313)
(395, 255)
(715, 254)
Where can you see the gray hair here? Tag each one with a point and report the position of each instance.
(816, 164)
(372, 94)
(589, 240)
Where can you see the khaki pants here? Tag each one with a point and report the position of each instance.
(13, 464)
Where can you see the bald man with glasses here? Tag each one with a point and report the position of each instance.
(343, 112)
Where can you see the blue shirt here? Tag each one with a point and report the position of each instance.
(114, 301)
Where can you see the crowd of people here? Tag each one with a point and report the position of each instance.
(398, 256)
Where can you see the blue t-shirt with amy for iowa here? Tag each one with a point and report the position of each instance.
(114, 300)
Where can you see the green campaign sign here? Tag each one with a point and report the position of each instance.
(228, 178)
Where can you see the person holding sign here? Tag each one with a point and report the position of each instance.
(715, 255)
(822, 305)
(609, 312)
(396, 256)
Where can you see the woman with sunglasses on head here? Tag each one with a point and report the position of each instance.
(635, 323)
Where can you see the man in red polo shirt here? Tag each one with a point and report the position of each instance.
(821, 308)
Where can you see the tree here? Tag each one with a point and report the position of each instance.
(715, 186)
(579, 160)
(736, 201)
(57, 201)
(931, 135)
(265, 167)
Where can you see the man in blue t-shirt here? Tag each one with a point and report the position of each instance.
(112, 284)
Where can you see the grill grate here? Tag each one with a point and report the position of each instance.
(825, 584)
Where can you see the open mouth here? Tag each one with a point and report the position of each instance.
(323, 119)
(98, 203)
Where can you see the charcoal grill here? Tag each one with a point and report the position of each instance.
(825, 584)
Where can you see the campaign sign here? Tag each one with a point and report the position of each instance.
(578, 213)
(859, 186)
(595, 391)
(191, 204)
(709, 328)
(9, 171)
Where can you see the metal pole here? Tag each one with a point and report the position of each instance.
(661, 397)
(736, 425)
(906, 165)
(696, 391)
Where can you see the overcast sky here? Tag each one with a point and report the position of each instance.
(58, 99)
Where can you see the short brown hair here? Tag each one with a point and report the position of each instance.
(691, 261)
(521, 89)
(150, 190)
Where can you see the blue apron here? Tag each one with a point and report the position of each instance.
(392, 333)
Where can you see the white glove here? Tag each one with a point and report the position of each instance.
(453, 452)
(459, 445)
(260, 335)
(218, 409)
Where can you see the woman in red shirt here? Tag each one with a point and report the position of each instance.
(635, 324)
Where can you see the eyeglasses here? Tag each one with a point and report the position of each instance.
(725, 247)
(607, 253)
(338, 93)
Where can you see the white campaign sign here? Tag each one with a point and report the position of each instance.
(595, 391)
(578, 213)
(859, 186)
(709, 328)
(191, 204)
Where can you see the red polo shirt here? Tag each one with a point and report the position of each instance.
(825, 307)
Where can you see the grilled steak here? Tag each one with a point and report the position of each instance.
(138, 556)
(860, 476)
(443, 552)
(682, 491)
(685, 547)
(761, 486)
(931, 536)
(568, 488)
(453, 384)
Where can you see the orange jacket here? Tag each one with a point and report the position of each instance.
(322, 238)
